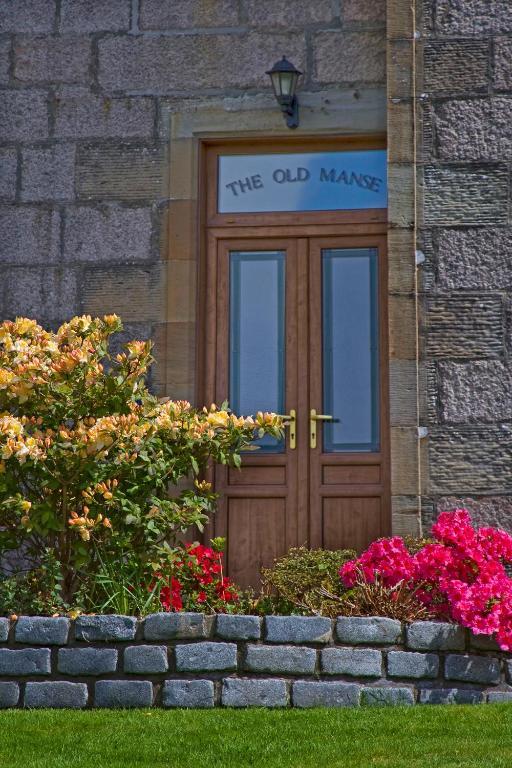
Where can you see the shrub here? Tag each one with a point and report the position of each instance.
(460, 576)
(304, 581)
(197, 582)
(90, 460)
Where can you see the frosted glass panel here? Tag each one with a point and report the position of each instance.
(350, 349)
(257, 345)
(305, 181)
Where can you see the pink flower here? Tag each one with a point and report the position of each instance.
(459, 577)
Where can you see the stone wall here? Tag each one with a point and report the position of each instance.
(465, 154)
(192, 660)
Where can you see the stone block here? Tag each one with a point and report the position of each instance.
(356, 662)
(474, 130)
(4, 630)
(472, 459)
(475, 258)
(233, 627)
(87, 661)
(286, 659)
(472, 669)
(239, 692)
(402, 336)
(176, 626)
(151, 64)
(29, 661)
(206, 657)
(121, 173)
(499, 697)
(45, 59)
(80, 114)
(363, 630)
(48, 174)
(23, 115)
(348, 57)
(308, 693)
(107, 234)
(150, 659)
(298, 629)
(483, 643)
(488, 510)
(478, 391)
(470, 195)
(8, 170)
(5, 62)
(29, 235)
(194, 694)
(465, 326)
(181, 290)
(56, 695)
(123, 694)
(84, 16)
(435, 636)
(9, 695)
(458, 66)
(135, 293)
(400, 86)
(385, 697)
(363, 10)
(405, 664)
(187, 14)
(42, 630)
(279, 14)
(401, 180)
(503, 62)
(471, 18)
(27, 16)
(49, 294)
(508, 670)
(450, 696)
(106, 629)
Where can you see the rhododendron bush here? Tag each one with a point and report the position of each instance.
(461, 576)
(90, 460)
(197, 581)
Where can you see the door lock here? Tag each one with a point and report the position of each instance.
(290, 420)
(313, 418)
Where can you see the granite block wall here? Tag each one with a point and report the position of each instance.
(192, 660)
(465, 93)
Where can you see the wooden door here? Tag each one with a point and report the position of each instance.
(257, 339)
(348, 412)
(298, 325)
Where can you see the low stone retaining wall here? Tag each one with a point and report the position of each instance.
(191, 660)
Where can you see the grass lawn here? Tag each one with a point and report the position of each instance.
(420, 737)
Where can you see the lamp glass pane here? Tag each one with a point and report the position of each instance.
(276, 83)
(287, 83)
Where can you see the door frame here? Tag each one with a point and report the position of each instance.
(214, 226)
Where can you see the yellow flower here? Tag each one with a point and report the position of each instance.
(6, 377)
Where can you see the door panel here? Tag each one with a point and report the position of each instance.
(350, 523)
(256, 535)
(257, 370)
(349, 503)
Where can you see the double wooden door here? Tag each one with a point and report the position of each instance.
(297, 325)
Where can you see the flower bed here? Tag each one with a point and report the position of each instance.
(193, 660)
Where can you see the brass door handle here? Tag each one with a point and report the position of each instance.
(290, 420)
(313, 418)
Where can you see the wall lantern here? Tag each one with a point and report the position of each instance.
(284, 78)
